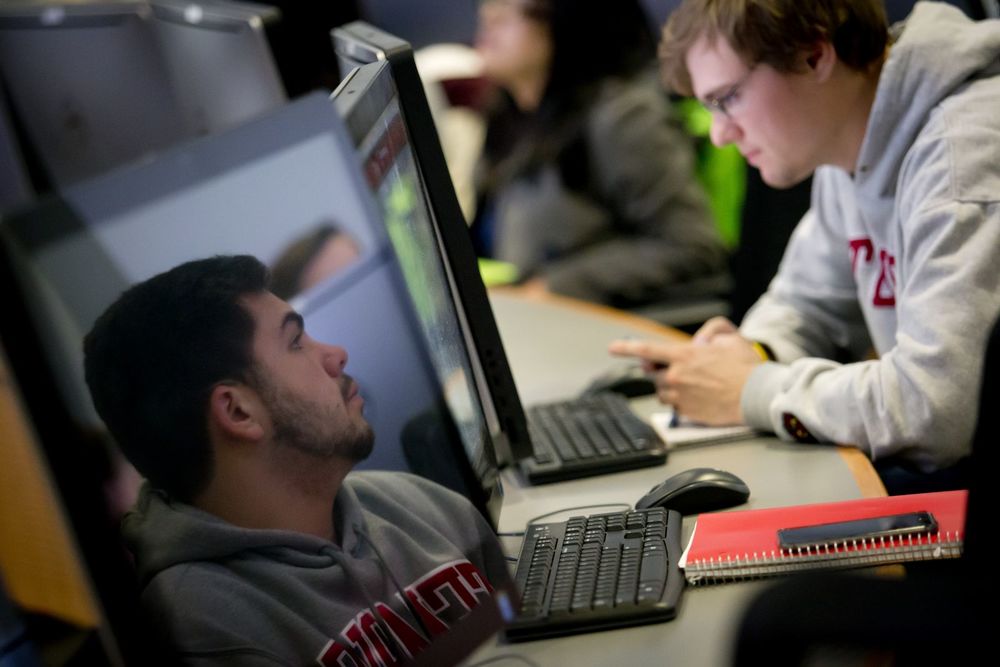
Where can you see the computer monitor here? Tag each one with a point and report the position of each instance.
(219, 60)
(368, 101)
(87, 84)
(359, 43)
(256, 189)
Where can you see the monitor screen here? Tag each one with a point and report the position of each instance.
(258, 189)
(358, 43)
(368, 102)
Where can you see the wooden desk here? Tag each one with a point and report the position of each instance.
(555, 347)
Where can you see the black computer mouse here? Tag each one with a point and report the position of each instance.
(697, 490)
(629, 381)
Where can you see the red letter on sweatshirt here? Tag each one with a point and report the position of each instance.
(885, 288)
(857, 245)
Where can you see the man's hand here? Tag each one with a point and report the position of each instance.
(702, 379)
(712, 328)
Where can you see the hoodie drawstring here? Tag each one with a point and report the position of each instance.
(343, 561)
(359, 531)
(351, 647)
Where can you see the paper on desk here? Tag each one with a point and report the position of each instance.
(682, 563)
(687, 432)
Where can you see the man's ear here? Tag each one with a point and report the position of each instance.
(821, 60)
(236, 411)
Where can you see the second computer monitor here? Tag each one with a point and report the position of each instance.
(219, 61)
(87, 84)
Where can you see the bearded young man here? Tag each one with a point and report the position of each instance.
(253, 543)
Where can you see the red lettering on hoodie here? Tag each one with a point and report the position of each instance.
(885, 286)
(857, 245)
(431, 597)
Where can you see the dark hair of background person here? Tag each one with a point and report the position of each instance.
(774, 32)
(152, 359)
(592, 40)
(287, 270)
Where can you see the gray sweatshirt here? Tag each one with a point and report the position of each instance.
(899, 257)
(221, 594)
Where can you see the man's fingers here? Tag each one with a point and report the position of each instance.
(651, 367)
(655, 351)
(712, 328)
(667, 395)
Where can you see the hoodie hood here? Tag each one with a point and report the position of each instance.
(162, 533)
(936, 51)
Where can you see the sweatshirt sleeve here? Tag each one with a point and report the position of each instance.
(643, 166)
(919, 397)
(811, 307)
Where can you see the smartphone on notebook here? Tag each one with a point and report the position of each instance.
(895, 525)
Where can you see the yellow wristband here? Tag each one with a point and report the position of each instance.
(761, 351)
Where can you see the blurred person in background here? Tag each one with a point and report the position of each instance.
(587, 183)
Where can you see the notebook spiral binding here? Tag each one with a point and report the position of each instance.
(855, 553)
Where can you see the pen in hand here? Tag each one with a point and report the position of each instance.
(675, 419)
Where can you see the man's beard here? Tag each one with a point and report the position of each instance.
(311, 428)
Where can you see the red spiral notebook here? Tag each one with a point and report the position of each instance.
(732, 546)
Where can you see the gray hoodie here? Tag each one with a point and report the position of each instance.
(899, 257)
(222, 594)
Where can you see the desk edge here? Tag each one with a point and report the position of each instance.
(861, 468)
(606, 312)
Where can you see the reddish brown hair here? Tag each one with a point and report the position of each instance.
(775, 32)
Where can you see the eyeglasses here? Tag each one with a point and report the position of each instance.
(723, 103)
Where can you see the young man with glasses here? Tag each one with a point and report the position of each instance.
(897, 252)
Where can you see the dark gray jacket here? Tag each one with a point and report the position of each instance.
(641, 227)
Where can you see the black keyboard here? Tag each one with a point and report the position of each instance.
(589, 435)
(598, 572)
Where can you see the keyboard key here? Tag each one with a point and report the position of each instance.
(654, 569)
